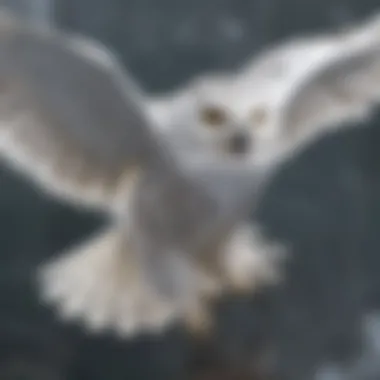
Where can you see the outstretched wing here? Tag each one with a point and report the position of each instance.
(341, 90)
(287, 61)
(69, 115)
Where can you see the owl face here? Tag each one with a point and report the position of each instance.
(231, 121)
(229, 127)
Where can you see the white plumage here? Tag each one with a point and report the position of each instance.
(179, 181)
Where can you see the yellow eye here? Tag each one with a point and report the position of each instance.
(213, 116)
(259, 116)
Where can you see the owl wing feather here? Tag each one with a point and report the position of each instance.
(70, 117)
(342, 90)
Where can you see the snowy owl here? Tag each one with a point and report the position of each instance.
(75, 122)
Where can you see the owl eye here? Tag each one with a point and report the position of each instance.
(259, 116)
(213, 116)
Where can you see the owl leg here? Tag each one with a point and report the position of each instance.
(249, 261)
(198, 319)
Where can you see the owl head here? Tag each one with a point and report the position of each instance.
(218, 117)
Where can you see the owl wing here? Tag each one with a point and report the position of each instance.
(287, 60)
(342, 89)
(70, 117)
(364, 31)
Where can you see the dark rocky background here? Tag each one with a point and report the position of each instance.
(325, 203)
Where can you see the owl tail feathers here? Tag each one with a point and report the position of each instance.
(100, 285)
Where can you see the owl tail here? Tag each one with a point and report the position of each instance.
(102, 285)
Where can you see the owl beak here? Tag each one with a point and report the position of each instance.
(238, 144)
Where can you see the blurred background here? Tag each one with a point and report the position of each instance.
(325, 203)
